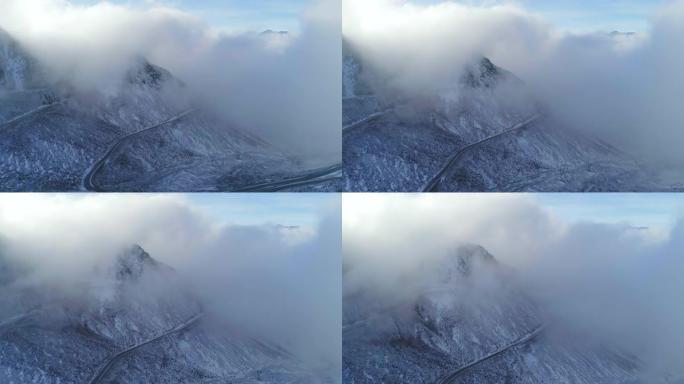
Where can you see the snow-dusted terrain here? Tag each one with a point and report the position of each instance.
(469, 136)
(472, 323)
(132, 321)
(147, 136)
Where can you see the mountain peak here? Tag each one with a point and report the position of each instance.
(483, 73)
(465, 259)
(487, 65)
(145, 73)
(475, 252)
(132, 263)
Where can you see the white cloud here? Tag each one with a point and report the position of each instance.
(426, 45)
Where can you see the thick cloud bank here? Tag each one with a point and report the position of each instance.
(279, 282)
(621, 86)
(285, 88)
(616, 284)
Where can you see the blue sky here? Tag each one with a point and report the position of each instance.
(653, 210)
(290, 209)
(256, 15)
(573, 15)
(586, 15)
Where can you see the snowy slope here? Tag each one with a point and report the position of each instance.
(398, 151)
(472, 324)
(50, 150)
(543, 158)
(195, 151)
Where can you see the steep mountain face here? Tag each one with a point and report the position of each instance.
(133, 322)
(483, 132)
(147, 135)
(473, 323)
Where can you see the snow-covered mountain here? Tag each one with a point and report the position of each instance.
(147, 135)
(473, 323)
(485, 131)
(132, 321)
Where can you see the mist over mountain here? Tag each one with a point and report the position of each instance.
(156, 100)
(541, 300)
(472, 324)
(585, 112)
(201, 301)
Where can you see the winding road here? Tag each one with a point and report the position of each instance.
(88, 183)
(17, 318)
(365, 120)
(29, 113)
(313, 177)
(432, 185)
(450, 377)
(105, 369)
